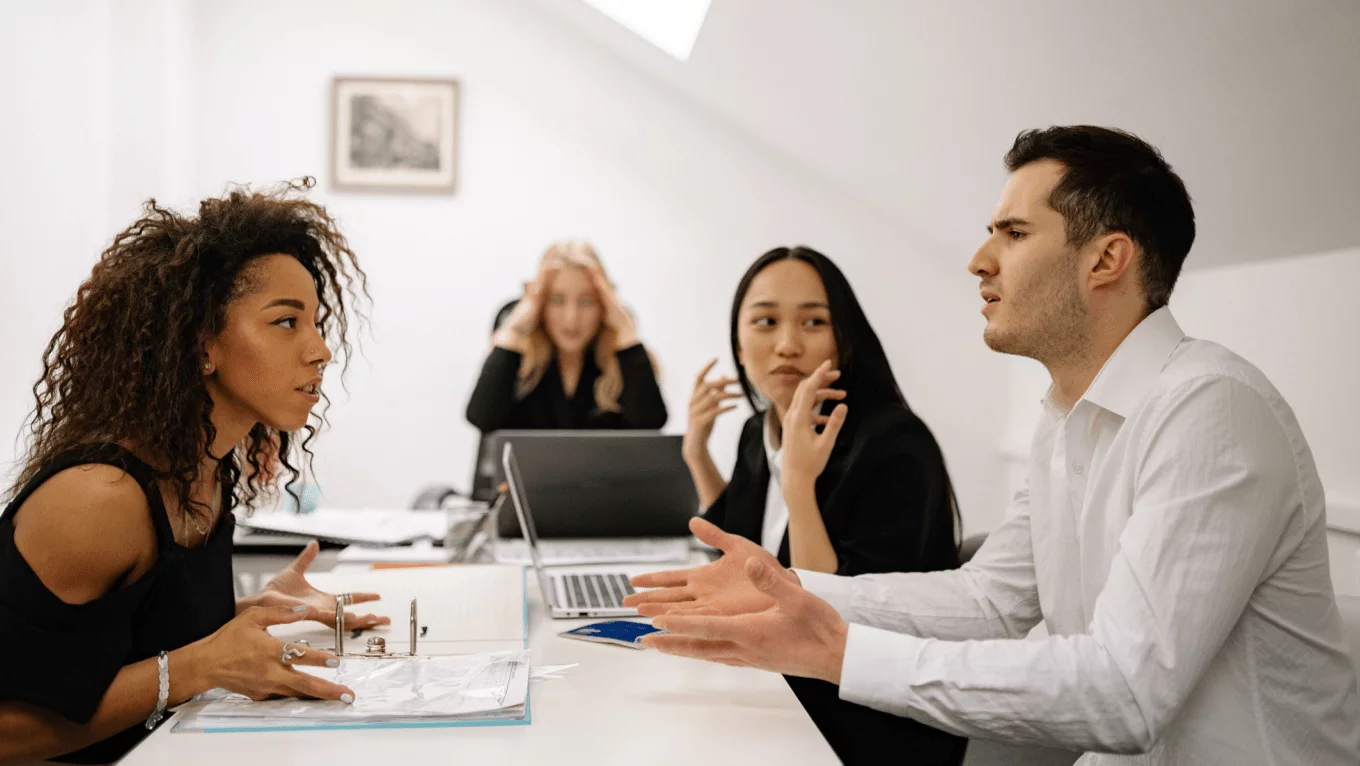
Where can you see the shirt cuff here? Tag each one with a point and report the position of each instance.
(877, 666)
(833, 589)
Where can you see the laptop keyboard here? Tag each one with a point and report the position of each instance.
(595, 591)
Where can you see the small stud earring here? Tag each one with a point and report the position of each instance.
(207, 366)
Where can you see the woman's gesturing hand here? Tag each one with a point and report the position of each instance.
(242, 657)
(709, 400)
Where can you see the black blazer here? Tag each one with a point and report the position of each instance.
(884, 495)
(887, 506)
(493, 406)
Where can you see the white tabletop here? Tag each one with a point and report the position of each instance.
(617, 705)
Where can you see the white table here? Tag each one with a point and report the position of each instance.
(616, 706)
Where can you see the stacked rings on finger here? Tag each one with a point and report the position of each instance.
(291, 652)
(348, 598)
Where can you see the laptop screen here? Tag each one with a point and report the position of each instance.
(526, 520)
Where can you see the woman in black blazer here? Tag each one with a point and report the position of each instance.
(567, 356)
(882, 503)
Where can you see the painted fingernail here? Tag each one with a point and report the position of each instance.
(299, 608)
(347, 698)
(332, 663)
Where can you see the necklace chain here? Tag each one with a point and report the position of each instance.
(189, 519)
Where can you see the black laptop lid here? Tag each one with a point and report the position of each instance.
(600, 483)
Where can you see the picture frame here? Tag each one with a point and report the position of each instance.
(394, 134)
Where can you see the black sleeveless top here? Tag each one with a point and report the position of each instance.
(187, 595)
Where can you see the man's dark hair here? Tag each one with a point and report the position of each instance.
(1117, 182)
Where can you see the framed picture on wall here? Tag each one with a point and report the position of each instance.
(390, 134)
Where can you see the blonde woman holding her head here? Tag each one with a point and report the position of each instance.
(567, 356)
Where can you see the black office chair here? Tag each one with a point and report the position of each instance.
(503, 315)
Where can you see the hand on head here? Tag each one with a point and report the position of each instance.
(528, 313)
(615, 316)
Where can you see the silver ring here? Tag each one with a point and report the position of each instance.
(291, 651)
(348, 598)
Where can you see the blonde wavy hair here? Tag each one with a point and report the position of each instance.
(539, 350)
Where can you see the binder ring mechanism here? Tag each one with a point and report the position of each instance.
(377, 645)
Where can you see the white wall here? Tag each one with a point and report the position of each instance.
(558, 140)
(1293, 319)
(54, 137)
(150, 106)
(115, 103)
(174, 98)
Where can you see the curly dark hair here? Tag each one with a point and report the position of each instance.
(125, 365)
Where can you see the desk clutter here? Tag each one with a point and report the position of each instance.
(455, 653)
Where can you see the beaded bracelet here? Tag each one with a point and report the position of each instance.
(163, 695)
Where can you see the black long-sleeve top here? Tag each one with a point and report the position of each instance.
(886, 503)
(493, 406)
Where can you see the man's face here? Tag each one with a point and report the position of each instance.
(1030, 275)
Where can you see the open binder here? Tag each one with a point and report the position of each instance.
(473, 669)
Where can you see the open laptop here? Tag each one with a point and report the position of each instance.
(567, 591)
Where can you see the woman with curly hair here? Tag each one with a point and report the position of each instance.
(567, 355)
(195, 348)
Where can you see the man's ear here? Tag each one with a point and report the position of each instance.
(1114, 257)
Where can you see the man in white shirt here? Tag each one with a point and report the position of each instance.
(1171, 535)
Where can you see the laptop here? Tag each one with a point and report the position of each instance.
(600, 484)
(568, 591)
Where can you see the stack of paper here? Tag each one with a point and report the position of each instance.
(364, 526)
(421, 691)
(419, 552)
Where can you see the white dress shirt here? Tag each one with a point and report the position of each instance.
(1172, 538)
(776, 521)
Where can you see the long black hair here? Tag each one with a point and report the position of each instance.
(866, 374)
(865, 371)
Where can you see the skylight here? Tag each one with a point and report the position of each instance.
(671, 25)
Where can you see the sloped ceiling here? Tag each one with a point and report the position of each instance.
(908, 105)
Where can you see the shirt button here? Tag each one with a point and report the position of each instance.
(1077, 468)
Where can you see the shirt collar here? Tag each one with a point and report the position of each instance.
(771, 451)
(1134, 367)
